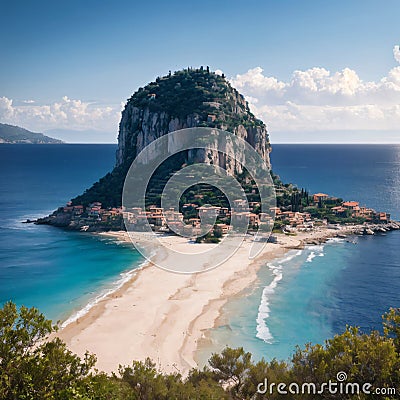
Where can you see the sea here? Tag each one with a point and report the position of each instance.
(307, 296)
(61, 273)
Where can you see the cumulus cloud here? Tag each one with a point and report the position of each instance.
(396, 53)
(6, 108)
(315, 99)
(64, 114)
(320, 100)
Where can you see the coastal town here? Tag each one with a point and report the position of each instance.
(183, 297)
(322, 210)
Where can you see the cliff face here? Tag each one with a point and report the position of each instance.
(139, 127)
(199, 98)
(185, 99)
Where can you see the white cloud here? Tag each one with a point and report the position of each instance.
(315, 99)
(396, 53)
(255, 79)
(319, 100)
(6, 108)
(64, 114)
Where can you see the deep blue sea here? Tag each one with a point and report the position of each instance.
(305, 297)
(310, 295)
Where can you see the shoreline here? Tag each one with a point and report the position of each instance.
(207, 346)
(166, 316)
(126, 277)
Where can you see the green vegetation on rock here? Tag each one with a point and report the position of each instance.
(184, 99)
(196, 91)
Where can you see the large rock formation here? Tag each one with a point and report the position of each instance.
(185, 99)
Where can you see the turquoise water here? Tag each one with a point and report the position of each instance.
(309, 296)
(59, 272)
(294, 301)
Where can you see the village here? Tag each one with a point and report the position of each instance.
(322, 210)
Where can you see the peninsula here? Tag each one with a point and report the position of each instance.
(199, 98)
(10, 134)
(163, 315)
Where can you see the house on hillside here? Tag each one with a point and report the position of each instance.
(319, 198)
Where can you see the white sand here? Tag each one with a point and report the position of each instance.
(164, 315)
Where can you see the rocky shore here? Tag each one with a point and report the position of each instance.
(346, 230)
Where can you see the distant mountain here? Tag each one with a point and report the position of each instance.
(15, 135)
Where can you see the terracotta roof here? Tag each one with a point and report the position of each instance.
(351, 204)
(321, 195)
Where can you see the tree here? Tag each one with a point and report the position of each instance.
(147, 383)
(391, 326)
(231, 366)
(31, 366)
(365, 358)
(274, 371)
(144, 379)
(217, 232)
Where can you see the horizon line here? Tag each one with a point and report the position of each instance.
(273, 143)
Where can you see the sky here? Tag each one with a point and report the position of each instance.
(313, 71)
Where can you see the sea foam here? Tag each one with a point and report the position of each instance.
(263, 331)
(315, 251)
(124, 277)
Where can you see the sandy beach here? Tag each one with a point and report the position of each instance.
(165, 315)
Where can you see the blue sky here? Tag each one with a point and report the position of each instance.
(67, 66)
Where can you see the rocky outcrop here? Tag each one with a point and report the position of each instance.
(139, 127)
(185, 99)
(145, 119)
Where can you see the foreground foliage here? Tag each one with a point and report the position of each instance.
(33, 365)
